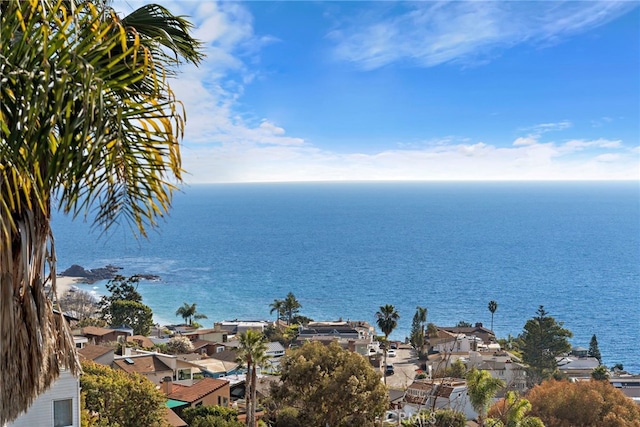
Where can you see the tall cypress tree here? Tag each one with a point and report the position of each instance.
(540, 342)
(594, 351)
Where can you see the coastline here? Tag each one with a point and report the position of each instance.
(64, 284)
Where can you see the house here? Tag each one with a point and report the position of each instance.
(80, 341)
(274, 352)
(149, 366)
(485, 334)
(208, 391)
(364, 329)
(211, 335)
(447, 342)
(182, 367)
(501, 365)
(97, 335)
(441, 393)
(97, 353)
(234, 327)
(217, 368)
(577, 366)
(628, 384)
(58, 406)
(335, 331)
(141, 341)
(208, 348)
(274, 349)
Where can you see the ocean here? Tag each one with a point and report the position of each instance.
(345, 249)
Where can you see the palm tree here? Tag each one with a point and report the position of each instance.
(252, 351)
(493, 306)
(291, 306)
(482, 388)
(189, 312)
(512, 412)
(278, 306)
(89, 124)
(387, 321)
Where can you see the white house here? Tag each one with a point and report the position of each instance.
(441, 393)
(57, 407)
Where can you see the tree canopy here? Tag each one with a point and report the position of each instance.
(329, 385)
(493, 307)
(482, 388)
(189, 313)
(417, 337)
(594, 350)
(512, 411)
(119, 399)
(540, 342)
(211, 416)
(291, 306)
(124, 306)
(582, 403)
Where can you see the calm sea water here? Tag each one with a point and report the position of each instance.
(345, 249)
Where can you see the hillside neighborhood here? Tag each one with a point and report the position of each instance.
(196, 366)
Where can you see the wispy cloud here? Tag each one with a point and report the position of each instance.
(432, 33)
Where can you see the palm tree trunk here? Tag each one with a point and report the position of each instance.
(253, 396)
(385, 366)
(247, 394)
(35, 343)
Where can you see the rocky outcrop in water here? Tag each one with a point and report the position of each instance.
(97, 274)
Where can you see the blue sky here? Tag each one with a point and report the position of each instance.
(326, 91)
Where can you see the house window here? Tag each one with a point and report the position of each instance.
(219, 349)
(63, 413)
(184, 374)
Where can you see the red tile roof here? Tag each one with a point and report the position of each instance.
(199, 390)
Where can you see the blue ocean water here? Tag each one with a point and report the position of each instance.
(345, 249)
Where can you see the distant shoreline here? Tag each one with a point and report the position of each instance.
(64, 284)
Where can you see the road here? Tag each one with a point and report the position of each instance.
(405, 365)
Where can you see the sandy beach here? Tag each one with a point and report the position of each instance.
(64, 283)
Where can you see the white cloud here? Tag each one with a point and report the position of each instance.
(525, 140)
(465, 32)
(456, 160)
(608, 158)
(550, 127)
(581, 144)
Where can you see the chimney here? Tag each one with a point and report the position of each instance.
(166, 385)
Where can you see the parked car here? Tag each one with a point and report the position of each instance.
(391, 353)
(393, 346)
(388, 370)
